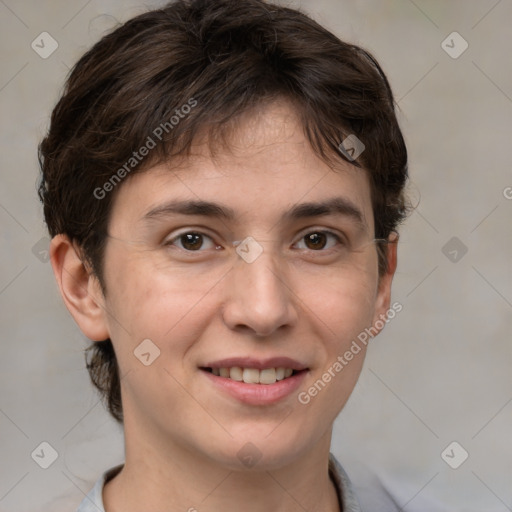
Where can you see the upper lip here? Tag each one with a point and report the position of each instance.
(259, 364)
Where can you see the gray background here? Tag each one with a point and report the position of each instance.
(441, 370)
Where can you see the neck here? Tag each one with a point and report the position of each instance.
(177, 479)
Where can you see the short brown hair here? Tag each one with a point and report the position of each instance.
(220, 58)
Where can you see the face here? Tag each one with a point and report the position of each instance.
(230, 317)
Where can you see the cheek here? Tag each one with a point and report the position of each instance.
(169, 306)
(343, 302)
(340, 307)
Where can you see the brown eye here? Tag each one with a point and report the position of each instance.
(315, 241)
(192, 241)
(319, 241)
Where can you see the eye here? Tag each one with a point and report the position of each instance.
(319, 240)
(192, 241)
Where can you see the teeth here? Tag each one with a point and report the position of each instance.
(253, 375)
(267, 376)
(236, 373)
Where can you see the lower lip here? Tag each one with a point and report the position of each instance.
(258, 394)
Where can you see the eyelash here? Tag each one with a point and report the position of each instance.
(339, 239)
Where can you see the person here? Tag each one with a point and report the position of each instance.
(223, 181)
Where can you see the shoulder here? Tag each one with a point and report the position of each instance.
(93, 502)
(344, 487)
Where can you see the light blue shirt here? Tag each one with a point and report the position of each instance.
(93, 502)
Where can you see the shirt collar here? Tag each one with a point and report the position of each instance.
(345, 490)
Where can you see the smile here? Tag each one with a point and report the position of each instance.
(253, 375)
(265, 385)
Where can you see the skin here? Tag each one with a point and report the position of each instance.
(182, 436)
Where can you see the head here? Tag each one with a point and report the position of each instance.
(237, 111)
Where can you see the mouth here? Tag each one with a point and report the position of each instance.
(266, 376)
(256, 382)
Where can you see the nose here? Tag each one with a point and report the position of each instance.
(258, 299)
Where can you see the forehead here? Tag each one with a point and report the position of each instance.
(266, 167)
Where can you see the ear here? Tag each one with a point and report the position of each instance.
(79, 288)
(383, 299)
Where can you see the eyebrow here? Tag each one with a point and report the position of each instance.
(203, 208)
(336, 205)
(333, 206)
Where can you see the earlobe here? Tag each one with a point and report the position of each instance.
(383, 301)
(79, 288)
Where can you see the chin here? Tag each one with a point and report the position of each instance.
(262, 452)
